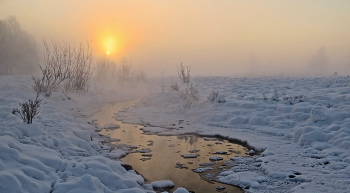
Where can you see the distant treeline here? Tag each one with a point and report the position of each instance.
(18, 50)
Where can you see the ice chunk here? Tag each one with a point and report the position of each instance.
(116, 153)
(215, 158)
(181, 190)
(200, 170)
(164, 184)
(220, 152)
(189, 155)
(112, 126)
(144, 150)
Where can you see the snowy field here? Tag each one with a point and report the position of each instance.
(300, 127)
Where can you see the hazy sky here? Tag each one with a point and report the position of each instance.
(214, 37)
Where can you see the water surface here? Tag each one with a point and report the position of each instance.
(166, 162)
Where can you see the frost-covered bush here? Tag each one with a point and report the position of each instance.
(28, 109)
(184, 73)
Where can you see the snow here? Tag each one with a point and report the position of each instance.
(200, 170)
(58, 153)
(301, 126)
(152, 130)
(111, 126)
(164, 184)
(181, 190)
(189, 155)
(215, 158)
(300, 136)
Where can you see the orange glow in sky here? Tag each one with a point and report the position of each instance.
(214, 37)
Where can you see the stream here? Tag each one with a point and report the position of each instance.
(161, 157)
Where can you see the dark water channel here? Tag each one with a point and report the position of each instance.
(165, 162)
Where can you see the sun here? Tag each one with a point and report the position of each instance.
(108, 52)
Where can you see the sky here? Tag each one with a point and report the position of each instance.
(216, 38)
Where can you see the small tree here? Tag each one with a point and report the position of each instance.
(28, 109)
(184, 73)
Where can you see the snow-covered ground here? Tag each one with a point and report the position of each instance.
(302, 131)
(60, 151)
(301, 127)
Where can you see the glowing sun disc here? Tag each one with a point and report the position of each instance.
(108, 52)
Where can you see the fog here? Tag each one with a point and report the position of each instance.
(217, 38)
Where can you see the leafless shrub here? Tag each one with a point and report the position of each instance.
(80, 70)
(106, 70)
(109, 71)
(140, 76)
(28, 109)
(213, 95)
(329, 105)
(184, 73)
(64, 63)
(190, 94)
(275, 96)
(163, 84)
(175, 87)
(264, 95)
(125, 70)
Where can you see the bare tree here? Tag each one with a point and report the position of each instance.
(184, 73)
